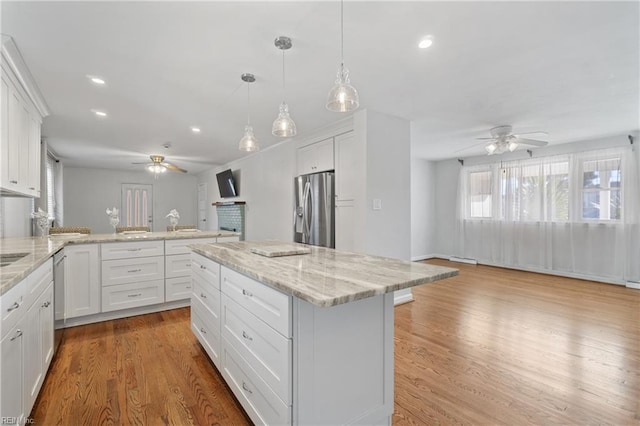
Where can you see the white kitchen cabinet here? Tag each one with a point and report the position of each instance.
(133, 249)
(178, 285)
(21, 121)
(317, 157)
(11, 365)
(205, 305)
(82, 280)
(345, 218)
(26, 344)
(126, 271)
(347, 160)
(132, 295)
(38, 345)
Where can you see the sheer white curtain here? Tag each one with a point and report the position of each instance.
(576, 214)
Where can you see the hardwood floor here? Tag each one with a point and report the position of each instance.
(491, 346)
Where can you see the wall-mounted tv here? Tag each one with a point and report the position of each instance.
(227, 184)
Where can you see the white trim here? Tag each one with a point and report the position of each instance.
(401, 297)
(423, 257)
(332, 130)
(124, 313)
(13, 58)
(463, 260)
(633, 284)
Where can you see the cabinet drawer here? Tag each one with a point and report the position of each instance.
(261, 404)
(38, 281)
(266, 350)
(207, 269)
(177, 288)
(132, 249)
(125, 271)
(13, 306)
(270, 305)
(206, 293)
(178, 265)
(180, 246)
(125, 296)
(206, 328)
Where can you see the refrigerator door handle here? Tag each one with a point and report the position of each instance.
(307, 211)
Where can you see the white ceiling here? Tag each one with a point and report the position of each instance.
(569, 68)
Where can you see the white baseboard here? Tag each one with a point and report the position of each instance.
(633, 284)
(106, 316)
(402, 296)
(463, 260)
(429, 256)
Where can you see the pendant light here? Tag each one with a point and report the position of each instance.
(342, 96)
(248, 142)
(283, 126)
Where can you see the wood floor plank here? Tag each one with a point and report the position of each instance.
(490, 347)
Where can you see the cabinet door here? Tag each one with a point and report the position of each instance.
(4, 132)
(15, 135)
(11, 385)
(23, 142)
(82, 280)
(347, 169)
(33, 175)
(324, 155)
(305, 160)
(345, 225)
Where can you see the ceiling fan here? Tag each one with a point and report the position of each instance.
(502, 140)
(158, 165)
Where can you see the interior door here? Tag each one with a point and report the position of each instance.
(137, 205)
(202, 206)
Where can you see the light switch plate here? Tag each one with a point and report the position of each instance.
(377, 204)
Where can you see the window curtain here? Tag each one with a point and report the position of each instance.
(537, 220)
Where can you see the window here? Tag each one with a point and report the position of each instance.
(51, 189)
(601, 185)
(480, 194)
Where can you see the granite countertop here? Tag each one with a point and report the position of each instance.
(324, 277)
(39, 249)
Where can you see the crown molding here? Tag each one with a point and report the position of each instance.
(11, 55)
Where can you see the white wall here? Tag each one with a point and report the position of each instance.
(89, 192)
(423, 209)
(266, 185)
(388, 231)
(16, 217)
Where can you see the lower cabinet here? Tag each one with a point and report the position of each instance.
(26, 345)
(82, 280)
(133, 295)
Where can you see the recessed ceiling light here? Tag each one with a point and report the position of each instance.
(99, 113)
(426, 41)
(96, 80)
(195, 129)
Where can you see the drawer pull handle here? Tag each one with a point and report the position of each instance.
(203, 331)
(13, 307)
(247, 293)
(46, 304)
(134, 249)
(134, 271)
(18, 334)
(245, 387)
(134, 295)
(188, 264)
(204, 296)
(32, 188)
(246, 336)
(203, 267)
(14, 181)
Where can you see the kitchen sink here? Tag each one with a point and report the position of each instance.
(8, 258)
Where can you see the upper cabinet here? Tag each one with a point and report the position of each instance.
(22, 111)
(317, 157)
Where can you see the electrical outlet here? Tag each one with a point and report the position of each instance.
(377, 204)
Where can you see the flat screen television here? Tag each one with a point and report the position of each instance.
(227, 184)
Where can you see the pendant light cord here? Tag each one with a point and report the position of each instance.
(248, 105)
(342, 32)
(283, 86)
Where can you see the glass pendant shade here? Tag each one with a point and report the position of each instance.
(248, 142)
(343, 96)
(284, 125)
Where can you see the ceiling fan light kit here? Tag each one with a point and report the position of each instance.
(343, 97)
(502, 140)
(159, 166)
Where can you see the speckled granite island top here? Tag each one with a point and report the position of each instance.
(37, 249)
(325, 277)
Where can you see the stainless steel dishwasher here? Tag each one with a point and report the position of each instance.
(58, 298)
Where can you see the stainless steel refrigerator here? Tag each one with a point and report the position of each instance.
(314, 215)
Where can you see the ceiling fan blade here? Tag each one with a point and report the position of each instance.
(532, 133)
(173, 168)
(469, 147)
(484, 139)
(140, 162)
(531, 142)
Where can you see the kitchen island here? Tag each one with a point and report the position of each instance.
(306, 338)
